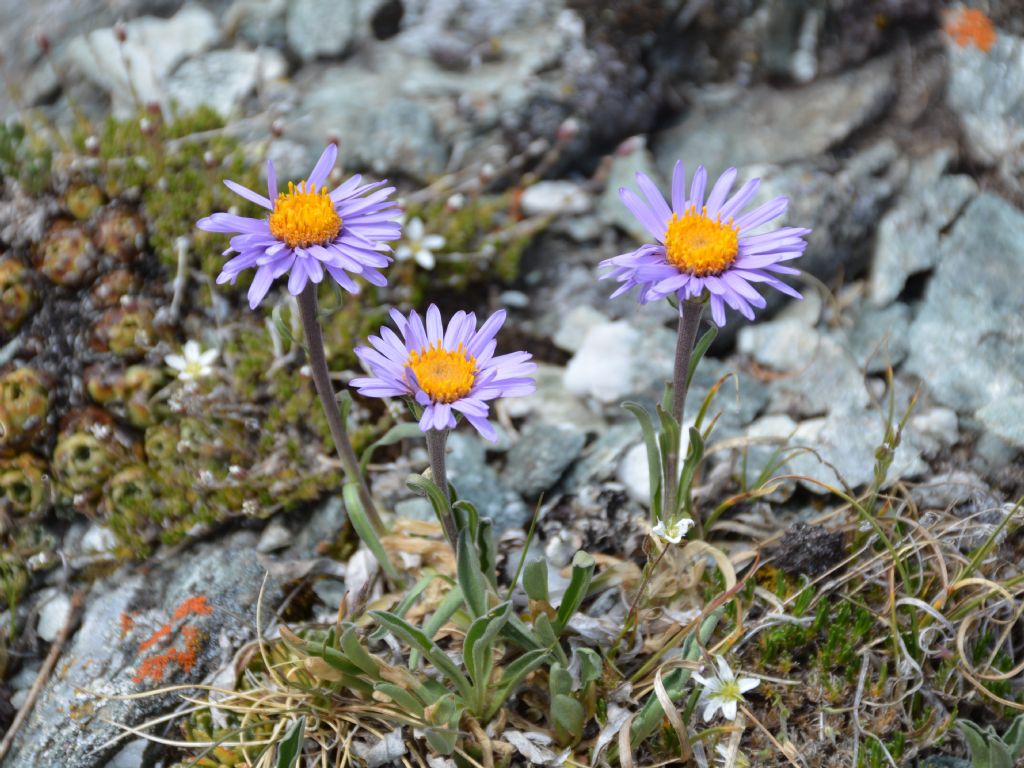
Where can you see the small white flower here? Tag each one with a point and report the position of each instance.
(724, 691)
(419, 245)
(674, 532)
(193, 363)
(742, 761)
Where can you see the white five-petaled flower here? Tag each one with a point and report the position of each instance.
(674, 532)
(723, 690)
(419, 245)
(193, 363)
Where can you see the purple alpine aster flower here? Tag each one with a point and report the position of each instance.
(445, 370)
(704, 244)
(310, 230)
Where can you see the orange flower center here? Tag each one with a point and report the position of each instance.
(699, 245)
(444, 375)
(304, 216)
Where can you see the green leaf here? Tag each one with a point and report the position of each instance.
(401, 697)
(559, 679)
(345, 404)
(488, 549)
(1014, 736)
(429, 489)
(535, 579)
(545, 630)
(568, 715)
(416, 639)
(290, 749)
(449, 605)
(699, 350)
(444, 716)
(512, 676)
(397, 433)
(357, 515)
(653, 455)
(591, 665)
(409, 599)
(470, 578)
(694, 454)
(477, 652)
(582, 572)
(358, 655)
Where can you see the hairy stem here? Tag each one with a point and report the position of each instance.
(689, 322)
(324, 388)
(437, 440)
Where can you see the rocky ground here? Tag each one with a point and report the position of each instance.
(898, 137)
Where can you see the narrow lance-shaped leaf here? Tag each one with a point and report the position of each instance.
(415, 638)
(470, 577)
(699, 350)
(290, 749)
(357, 515)
(582, 572)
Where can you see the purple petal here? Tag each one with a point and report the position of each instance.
(487, 332)
(271, 180)
(740, 199)
(229, 222)
(679, 187)
(763, 213)
(260, 285)
(435, 329)
(248, 194)
(655, 199)
(720, 191)
(484, 427)
(323, 166)
(643, 214)
(700, 181)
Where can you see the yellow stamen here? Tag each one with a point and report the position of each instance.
(444, 375)
(700, 245)
(304, 216)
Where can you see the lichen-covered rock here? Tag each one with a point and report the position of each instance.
(206, 602)
(24, 484)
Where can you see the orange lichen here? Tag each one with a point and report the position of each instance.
(127, 624)
(970, 26)
(185, 657)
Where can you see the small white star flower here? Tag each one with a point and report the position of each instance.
(419, 245)
(193, 363)
(723, 690)
(674, 532)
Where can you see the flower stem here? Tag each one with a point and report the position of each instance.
(437, 440)
(689, 322)
(324, 388)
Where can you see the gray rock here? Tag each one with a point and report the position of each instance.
(878, 337)
(274, 537)
(936, 429)
(132, 755)
(908, 235)
(222, 79)
(555, 198)
(599, 458)
(576, 323)
(620, 359)
(770, 438)
(542, 454)
(322, 28)
(634, 474)
(53, 615)
(630, 158)
(377, 126)
(1004, 418)
(824, 377)
(152, 48)
(986, 90)
(847, 440)
(259, 22)
(765, 125)
(76, 713)
(949, 490)
(478, 482)
(553, 403)
(964, 343)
